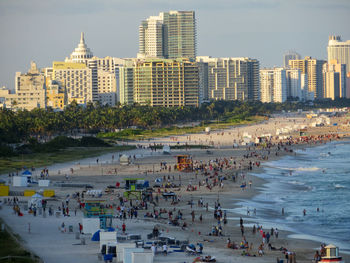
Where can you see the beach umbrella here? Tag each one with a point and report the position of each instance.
(96, 236)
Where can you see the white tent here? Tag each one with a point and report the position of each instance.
(19, 181)
(35, 200)
(166, 149)
(124, 160)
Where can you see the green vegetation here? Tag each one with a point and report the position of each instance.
(142, 134)
(20, 126)
(44, 159)
(59, 143)
(12, 251)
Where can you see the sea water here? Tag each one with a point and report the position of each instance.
(315, 179)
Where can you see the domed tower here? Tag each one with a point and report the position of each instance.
(82, 53)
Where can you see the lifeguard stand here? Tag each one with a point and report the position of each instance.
(96, 209)
(184, 163)
(332, 254)
(134, 187)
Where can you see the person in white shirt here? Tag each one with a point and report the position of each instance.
(165, 249)
(154, 249)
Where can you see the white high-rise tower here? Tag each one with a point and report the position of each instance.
(339, 50)
(170, 35)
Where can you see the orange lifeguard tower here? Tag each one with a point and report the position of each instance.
(332, 255)
(184, 163)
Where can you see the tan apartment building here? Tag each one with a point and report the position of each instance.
(166, 82)
(313, 68)
(76, 78)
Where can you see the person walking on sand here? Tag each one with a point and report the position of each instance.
(153, 249)
(123, 228)
(165, 250)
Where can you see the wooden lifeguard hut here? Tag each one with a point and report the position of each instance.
(332, 255)
(184, 163)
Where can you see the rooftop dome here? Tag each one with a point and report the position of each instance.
(81, 53)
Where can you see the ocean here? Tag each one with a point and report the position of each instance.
(316, 179)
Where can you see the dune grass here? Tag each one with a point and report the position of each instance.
(140, 134)
(10, 164)
(12, 251)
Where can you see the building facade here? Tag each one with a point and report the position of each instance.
(290, 55)
(334, 80)
(293, 84)
(30, 89)
(229, 78)
(170, 35)
(313, 68)
(166, 83)
(107, 87)
(273, 85)
(77, 78)
(126, 83)
(339, 51)
(56, 95)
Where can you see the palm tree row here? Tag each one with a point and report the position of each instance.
(19, 126)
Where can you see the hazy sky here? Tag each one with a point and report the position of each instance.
(48, 30)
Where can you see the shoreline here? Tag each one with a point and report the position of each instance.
(262, 189)
(229, 197)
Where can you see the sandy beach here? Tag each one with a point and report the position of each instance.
(221, 171)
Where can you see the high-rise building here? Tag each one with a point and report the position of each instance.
(107, 72)
(293, 83)
(151, 42)
(30, 89)
(290, 55)
(77, 78)
(104, 73)
(334, 80)
(107, 87)
(305, 94)
(82, 55)
(126, 83)
(229, 78)
(170, 35)
(166, 82)
(273, 85)
(203, 71)
(313, 69)
(340, 51)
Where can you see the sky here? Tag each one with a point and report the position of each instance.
(48, 30)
